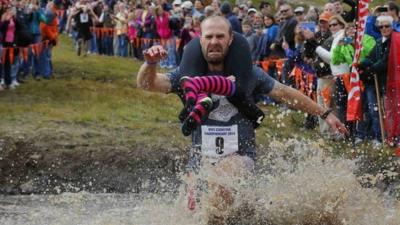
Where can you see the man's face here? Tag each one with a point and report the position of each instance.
(286, 11)
(198, 5)
(300, 16)
(330, 8)
(338, 7)
(215, 40)
(266, 9)
(385, 28)
(323, 25)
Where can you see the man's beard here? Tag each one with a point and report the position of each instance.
(215, 61)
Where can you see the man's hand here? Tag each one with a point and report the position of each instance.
(307, 34)
(336, 125)
(154, 54)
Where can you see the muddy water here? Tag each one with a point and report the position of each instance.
(295, 185)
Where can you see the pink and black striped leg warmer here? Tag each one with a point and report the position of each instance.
(201, 109)
(218, 85)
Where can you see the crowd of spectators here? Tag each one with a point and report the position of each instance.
(307, 47)
(28, 31)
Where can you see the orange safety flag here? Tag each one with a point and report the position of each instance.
(24, 53)
(36, 49)
(177, 42)
(326, 96)
(392, 96)
(297, 73)
(3, 55)
(11, 55)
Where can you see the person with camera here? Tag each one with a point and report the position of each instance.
(344, 53)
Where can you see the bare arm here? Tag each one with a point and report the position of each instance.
(148, 79)
(297, 100)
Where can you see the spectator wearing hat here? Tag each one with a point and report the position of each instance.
(299, 14)
(242, 12)
(251, 12)
(226, 11)
(376, 64)
(377, 60)
(325, 81)
(187, 7)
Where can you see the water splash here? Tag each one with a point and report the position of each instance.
(295, 183)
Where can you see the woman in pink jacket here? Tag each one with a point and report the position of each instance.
(165, 34)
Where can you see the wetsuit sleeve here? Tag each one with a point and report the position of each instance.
(265, 83)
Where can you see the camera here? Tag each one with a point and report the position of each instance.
(382, 9)
(348, 40)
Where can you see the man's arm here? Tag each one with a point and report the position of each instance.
(297, 100)
(148, 79)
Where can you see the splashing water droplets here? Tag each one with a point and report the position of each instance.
(294, 183)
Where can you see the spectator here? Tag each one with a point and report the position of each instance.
(394, 12)
(344, 53)
(251, 38)
(121, 25)
(270, 33)
(285, 34)
(312, 14)
(209, 11)
(376, 64)
(8, 27)
(226, 11)
(376, 61)
(198, 10)
(187, 7)
(145, 24)
(325, 81)
(348, 16)
(108, 25)
(330, 8)
(300, 15)
(265, 8)
(165, 34)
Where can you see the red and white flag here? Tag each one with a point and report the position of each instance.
(354, 109)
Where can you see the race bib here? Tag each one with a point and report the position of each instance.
(84, 18)
(219, 141)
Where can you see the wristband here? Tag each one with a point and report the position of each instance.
(151, 63)
(326, 113)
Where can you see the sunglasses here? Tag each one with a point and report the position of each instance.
(284, 10)
(384, 26)
(333, 24)
(298, 13)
